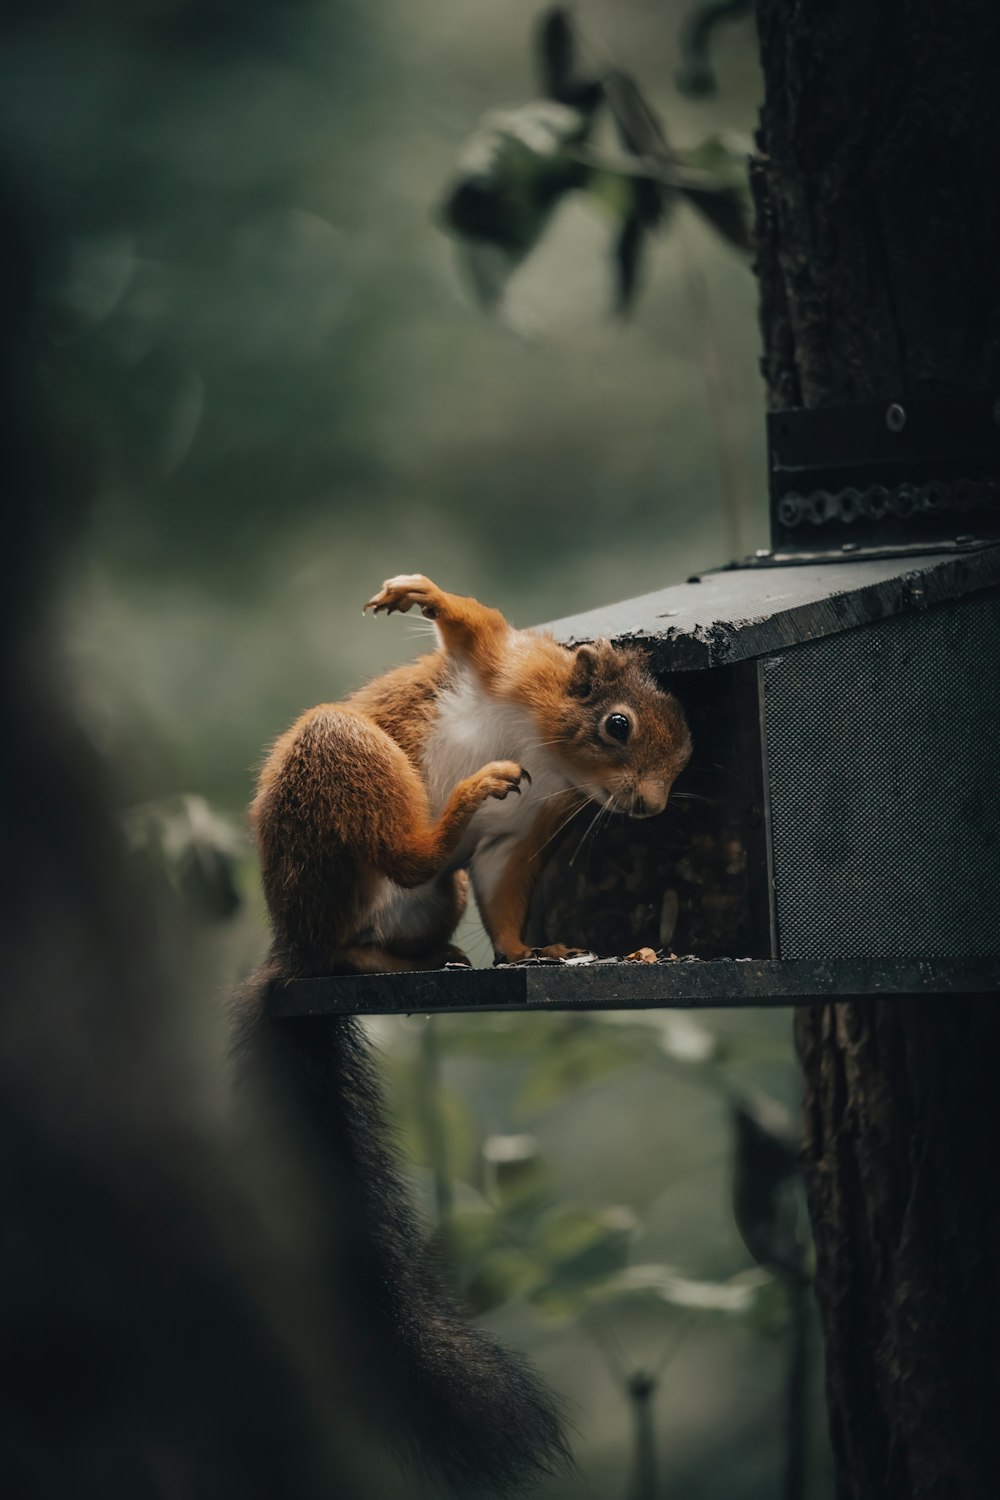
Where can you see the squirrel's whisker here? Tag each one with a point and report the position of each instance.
(564, 824)
(563, 791)
(591, 825)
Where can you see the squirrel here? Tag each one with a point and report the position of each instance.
(368, 815)
(369, 812)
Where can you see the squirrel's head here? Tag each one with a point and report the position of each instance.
(625, 740)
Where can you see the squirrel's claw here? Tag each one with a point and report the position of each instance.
(399, 595)
(501, 778)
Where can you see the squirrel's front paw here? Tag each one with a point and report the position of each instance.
(517, 953)
(559, 950)
(502, 777)
(399, 595)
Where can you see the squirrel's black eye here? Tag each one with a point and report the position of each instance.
(618, 727)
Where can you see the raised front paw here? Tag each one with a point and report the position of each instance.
(501, 777)
(399, 595)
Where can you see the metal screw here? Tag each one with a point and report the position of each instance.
(964, 541)
(850, 504)
(895, 417)
(848, 546)
(763, 552)
(789, 510)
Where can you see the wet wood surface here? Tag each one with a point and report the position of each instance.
(739, 613)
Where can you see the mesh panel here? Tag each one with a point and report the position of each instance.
(884, 771)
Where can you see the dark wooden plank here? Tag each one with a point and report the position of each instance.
(739, 613)
(393, 994)
(714, 983)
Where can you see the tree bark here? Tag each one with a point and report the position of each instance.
(877, 184)
(878, 210)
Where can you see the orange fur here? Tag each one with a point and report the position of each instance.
(504, 916)
(343, 814)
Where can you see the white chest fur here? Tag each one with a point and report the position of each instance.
(472, 729)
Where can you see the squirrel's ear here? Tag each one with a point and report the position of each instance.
(584, 666)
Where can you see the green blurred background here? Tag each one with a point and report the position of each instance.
(259, 328)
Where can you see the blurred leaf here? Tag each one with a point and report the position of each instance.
(516, 1173)
(734, 1297)
(207, 878)
(504, 1274)
(557, 62)
(696, 75)
(492, 1267)
(638, 125)
(723, 158)
(641, 134)
(556, 52)
(520, 163)
(511, 175)
(195, 847)
(473, 1232)
(608, 187)
(685, 1040)
(487, 269)
(712, 176)
(662, 1285)
(767, 1194)
(511, 1150)
(582, 1246)
(722, 197)
(584, 1052)
(557, 1305)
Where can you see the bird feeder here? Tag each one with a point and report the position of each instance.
(837, 834)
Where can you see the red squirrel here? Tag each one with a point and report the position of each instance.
(368, 812)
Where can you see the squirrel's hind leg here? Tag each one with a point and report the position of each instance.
(415, 926)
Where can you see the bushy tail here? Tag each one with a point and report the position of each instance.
(475, 1413)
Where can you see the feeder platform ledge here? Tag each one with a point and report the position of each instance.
(609, 984)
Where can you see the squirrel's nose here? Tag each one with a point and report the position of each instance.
(650, 798)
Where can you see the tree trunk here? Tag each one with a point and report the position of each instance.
(878, 204)
(878, 199)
